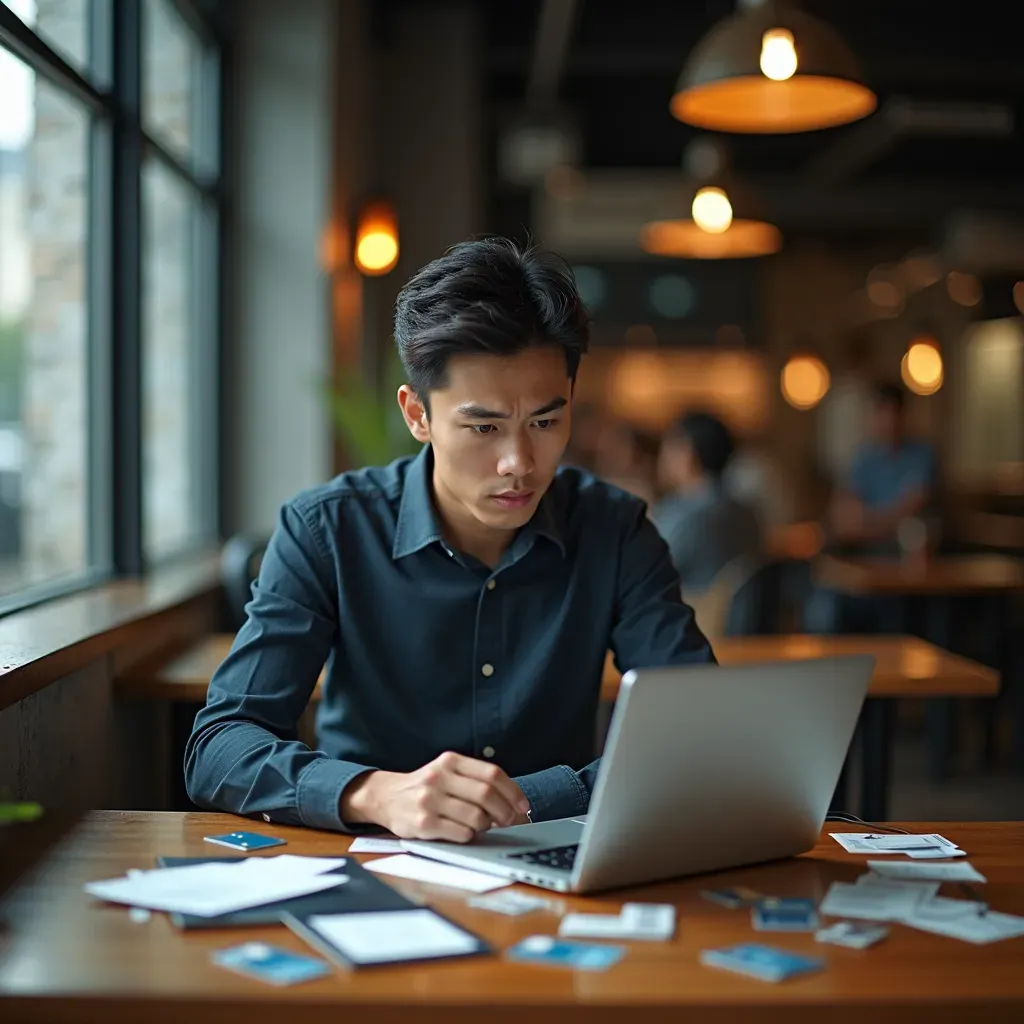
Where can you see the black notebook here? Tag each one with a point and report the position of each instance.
(362, 892)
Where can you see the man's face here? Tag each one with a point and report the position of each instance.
(498, 430)
(887, 423)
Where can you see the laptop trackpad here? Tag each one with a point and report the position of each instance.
(520, 838)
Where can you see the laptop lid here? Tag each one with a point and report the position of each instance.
(710, 767)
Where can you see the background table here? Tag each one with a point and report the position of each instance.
(66, 957)
(905, 667)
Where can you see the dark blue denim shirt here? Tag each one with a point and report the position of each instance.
(428, 650)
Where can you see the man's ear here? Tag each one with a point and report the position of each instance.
(414, 412)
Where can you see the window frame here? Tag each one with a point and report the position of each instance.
(111, 93)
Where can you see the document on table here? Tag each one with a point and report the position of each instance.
(420, 869)
(866, 842)
(970, 923)
(208, 890)
(960, 871)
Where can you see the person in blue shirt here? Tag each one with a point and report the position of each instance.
(463, 600)
(892, 482)
(892, 479)
(706, 529)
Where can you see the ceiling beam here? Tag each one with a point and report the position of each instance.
(892, 71)
(903, 118)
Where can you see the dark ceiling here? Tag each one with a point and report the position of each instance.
(625, 56)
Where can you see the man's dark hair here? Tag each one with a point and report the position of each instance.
(886, 393)
(489, 297)
(711, 440)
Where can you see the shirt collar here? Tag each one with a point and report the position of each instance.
(418, 527)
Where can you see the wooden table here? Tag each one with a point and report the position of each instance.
(937, 580)
(905, 667)
(943, 575)
(68, 958)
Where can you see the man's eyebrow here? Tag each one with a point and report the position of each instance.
(478, 412)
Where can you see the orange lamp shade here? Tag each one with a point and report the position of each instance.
(376, 247)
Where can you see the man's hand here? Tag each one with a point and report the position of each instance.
(452, 798)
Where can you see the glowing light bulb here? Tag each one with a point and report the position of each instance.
(922, 369)
(778, 56)
(805, 381)
(712, 211)
(377, 251)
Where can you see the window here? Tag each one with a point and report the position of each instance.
(44, 239)
(178, 341)
(108, 419)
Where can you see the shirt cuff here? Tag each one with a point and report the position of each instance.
(318, 794)
(554, 793)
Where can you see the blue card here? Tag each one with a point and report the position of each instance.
(270, 964)
(583, 956)
(784, 915)
(247, 841)
(761, 962)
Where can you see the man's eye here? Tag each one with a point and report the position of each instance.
(545, 424)
(483, 428)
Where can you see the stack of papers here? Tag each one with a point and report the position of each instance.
(642, 921)
(923, 847)
(212, 889)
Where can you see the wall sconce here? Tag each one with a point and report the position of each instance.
(376, 247)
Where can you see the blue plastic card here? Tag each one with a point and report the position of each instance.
(761, 962)
(583, 956)
(784, 915)
(247, 841)
(270, 964)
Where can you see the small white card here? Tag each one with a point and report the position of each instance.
(509, 902)
(943, 908)
(387, 936)
(368, 844)
(870, 902)
(852, 934)
(961, 871)
(926, 889)
(641, 921)
(420, 869)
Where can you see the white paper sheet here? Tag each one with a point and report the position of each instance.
(420, 869)
(870, 902)
(208, 890)
(961, 871)
(393, 935)
(976, 928)
(867, 842)
(367, 844)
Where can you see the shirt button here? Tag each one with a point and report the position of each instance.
(488, 751)
(491, 584)
(487, 670)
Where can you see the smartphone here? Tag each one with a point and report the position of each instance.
(247, 841)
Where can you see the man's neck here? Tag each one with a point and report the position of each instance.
(465, 533)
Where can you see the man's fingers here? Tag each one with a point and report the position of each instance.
(482, 794)
(464, 814)
(492, 774)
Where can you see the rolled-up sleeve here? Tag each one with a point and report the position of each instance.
(243, 755)
(653, 627)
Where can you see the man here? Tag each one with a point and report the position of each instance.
(463, 600)
(892, 483)
(892, 479)
(705, 528)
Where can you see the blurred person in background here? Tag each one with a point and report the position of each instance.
(844, 416)
(628, 458)
(705, 527)
(753, 477)
(883, 510)
(892, 479)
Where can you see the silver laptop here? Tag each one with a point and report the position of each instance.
(705, 768)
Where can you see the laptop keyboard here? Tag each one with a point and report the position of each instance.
(560, 857)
